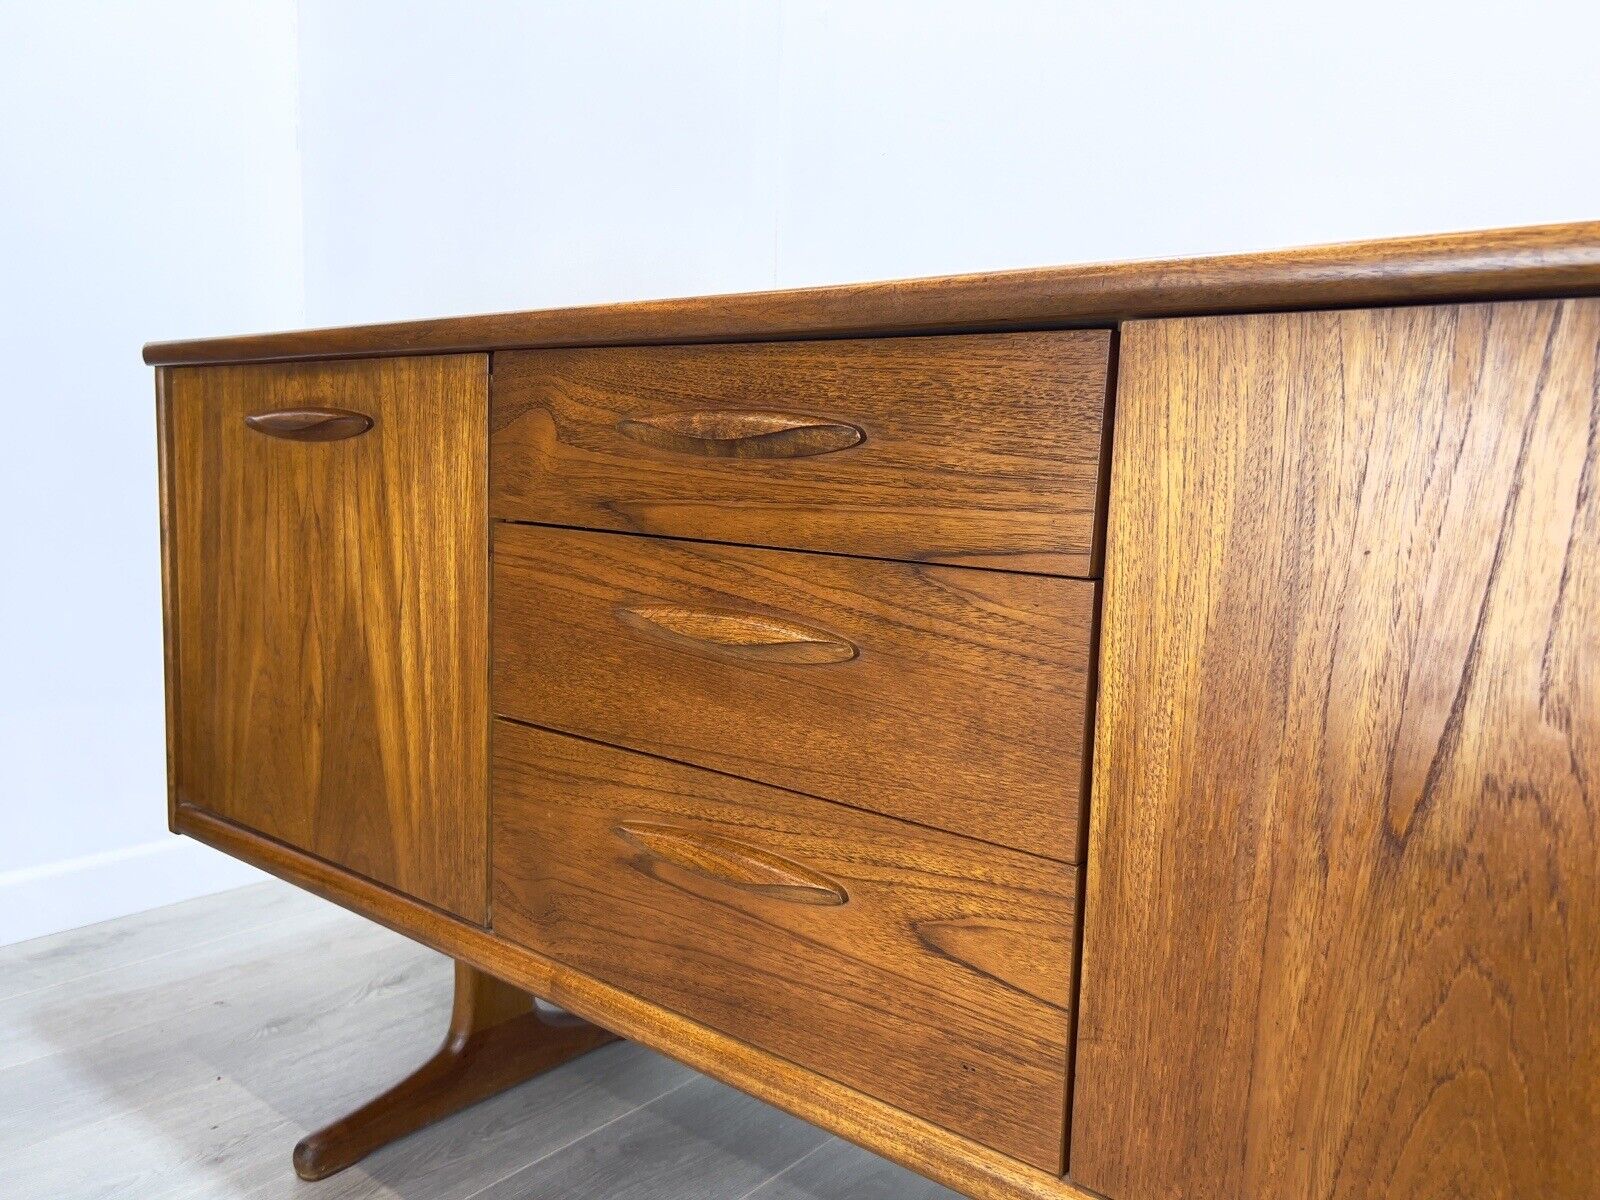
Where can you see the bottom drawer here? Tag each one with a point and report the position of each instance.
(927, 970)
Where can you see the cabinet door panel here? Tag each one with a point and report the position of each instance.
(328, 564)
(1342, 920)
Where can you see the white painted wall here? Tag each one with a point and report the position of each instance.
(513, 154)
(149, 185)
(516, 154)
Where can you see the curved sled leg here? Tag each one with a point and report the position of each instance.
(497, 1039)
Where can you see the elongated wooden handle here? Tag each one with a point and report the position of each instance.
(742, 433)
(732, 862)
(310, 424)
(740, 634)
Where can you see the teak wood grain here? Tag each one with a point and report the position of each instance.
(949, 697)
(959, 1162)
(328, 607)
(927, 970)
(1539, 260)
(981, 451)
(1343, 909)
(497, 1038)
(1342, 898)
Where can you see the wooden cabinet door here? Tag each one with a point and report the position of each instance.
(327, 572)
(1342, 918)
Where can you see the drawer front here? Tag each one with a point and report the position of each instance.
(328, 605)
(949, 697)
(981, 450)
(927, 970)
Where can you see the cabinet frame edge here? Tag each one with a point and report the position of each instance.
(936, 1153)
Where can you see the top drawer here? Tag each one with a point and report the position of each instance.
(979, 450)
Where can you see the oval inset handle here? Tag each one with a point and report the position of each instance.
(730, 861)
(747, 433)
(310, 424)
(741, 634)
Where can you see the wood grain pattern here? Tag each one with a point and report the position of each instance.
(981, 451)
(574, 1110)
(734, 433)
(310, 424)
(1540, 260)
(496, 1040)
(332, 598)
(167, 506)
(747, 635)
(1343, 911)
(959, 1162)
(730, 861)
(271, 1038)
(963, 708)
(913, 989)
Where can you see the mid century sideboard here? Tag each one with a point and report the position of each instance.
(1125, 731)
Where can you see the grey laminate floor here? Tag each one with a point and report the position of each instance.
(183, 1051)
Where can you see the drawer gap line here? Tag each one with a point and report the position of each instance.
(914, 562)
(682, 762)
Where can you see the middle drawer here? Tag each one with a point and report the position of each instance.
(950, 697)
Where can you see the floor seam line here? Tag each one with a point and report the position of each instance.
(200, 1006)
(777, 1175)
(139, 962)
(584, 1136)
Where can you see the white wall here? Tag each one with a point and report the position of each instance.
(515, 154)
(462, 158)
(149, 185)
(512, 154)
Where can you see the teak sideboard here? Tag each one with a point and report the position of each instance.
(1125, 731)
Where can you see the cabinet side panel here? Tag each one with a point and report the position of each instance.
(329, 609)
(169, 590)
(1343, 913)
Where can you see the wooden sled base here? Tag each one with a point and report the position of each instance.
(497, 1039)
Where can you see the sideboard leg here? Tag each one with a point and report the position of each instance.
(497, 1039)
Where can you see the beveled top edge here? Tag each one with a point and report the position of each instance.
(1535, 260)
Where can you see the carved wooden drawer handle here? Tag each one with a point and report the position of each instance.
(732, 862)
(741, 634)
(750, 433)
(310, 424)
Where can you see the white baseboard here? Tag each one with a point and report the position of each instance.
(36, 901)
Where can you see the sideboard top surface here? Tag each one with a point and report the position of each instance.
(1534, 261)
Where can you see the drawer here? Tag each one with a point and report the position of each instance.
(982, 450)
(930, 971)
(950, 697)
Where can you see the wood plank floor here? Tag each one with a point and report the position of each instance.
(181, 1053)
